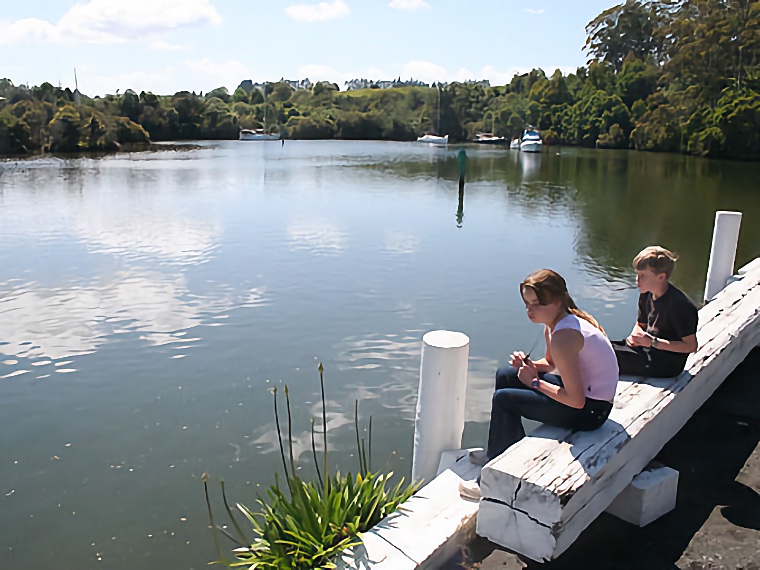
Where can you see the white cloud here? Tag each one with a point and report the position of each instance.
(228, 73)
(408, 4)
(425, 71)
(200, 75)
(534, 11)
(161, 82)
(113, 21)
(317, 72)
(318, 12)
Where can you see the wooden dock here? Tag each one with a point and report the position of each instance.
(544, 491)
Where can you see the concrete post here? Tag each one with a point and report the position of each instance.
(439, 421)
(722, 252)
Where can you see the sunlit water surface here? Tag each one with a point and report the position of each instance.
(149, 302)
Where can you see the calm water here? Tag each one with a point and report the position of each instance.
(148, 303)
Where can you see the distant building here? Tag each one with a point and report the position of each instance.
(382, 84)
(358, 84)
(298, 84)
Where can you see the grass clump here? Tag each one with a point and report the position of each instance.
(305, 524)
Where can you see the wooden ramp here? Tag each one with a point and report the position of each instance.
(542, 492)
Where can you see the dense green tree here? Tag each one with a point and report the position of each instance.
(627, 28)
(241, 96)
(636, 81)
(130, 105)
(219, 93)
(65, 130)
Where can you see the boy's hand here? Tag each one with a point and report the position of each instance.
(639, 338)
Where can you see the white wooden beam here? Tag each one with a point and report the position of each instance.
(427, 530)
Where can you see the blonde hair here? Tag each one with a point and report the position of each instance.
(549, 287)
(656, 258)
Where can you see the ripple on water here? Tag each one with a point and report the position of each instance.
(390, 363)
(47, 324)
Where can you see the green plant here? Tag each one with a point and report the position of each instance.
(307, 525)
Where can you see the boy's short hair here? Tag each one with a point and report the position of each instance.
(656, 258)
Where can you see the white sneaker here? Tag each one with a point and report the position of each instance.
(478, 457)
(469, 490)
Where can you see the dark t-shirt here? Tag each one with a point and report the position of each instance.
(671, 317)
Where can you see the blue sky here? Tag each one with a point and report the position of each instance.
(168, 45)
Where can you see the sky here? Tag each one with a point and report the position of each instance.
(165, 46)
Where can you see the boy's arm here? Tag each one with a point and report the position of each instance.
(686, 345)
(685, 318)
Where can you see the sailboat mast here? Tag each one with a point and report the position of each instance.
(438, 128)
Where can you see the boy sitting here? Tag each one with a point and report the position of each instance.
(666, 327)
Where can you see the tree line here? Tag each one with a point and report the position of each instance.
(663, 75)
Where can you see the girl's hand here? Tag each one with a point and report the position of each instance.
(527, 372)
(517, 359)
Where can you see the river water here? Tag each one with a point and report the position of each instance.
(150, 301)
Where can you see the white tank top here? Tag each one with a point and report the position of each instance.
(596, 360)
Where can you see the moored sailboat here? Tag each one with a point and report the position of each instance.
(433, 138)
(260, 134)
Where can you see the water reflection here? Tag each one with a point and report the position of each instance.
(399, 242)
(318, 238)
(530, 164)
(176, 239)
(53, 323)
(622, 201)
(460, 204)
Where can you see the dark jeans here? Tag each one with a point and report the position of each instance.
(636, 361)
(513, 401)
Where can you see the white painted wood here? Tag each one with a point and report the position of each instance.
(651, 494)
(457, 461)
(723, 252)
(426, 531)
(439, 420)
(542, 492)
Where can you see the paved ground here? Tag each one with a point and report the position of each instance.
(716, 522)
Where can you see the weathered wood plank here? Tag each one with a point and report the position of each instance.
(542, 492)
(426, 531)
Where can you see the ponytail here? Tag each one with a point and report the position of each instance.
(573, 309)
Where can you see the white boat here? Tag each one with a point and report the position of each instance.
(531, 141)
(258, 135)
(433, 139)
(489, 138)
(515, 144)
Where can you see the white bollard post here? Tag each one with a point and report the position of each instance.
(722, 252)
(439, 421)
